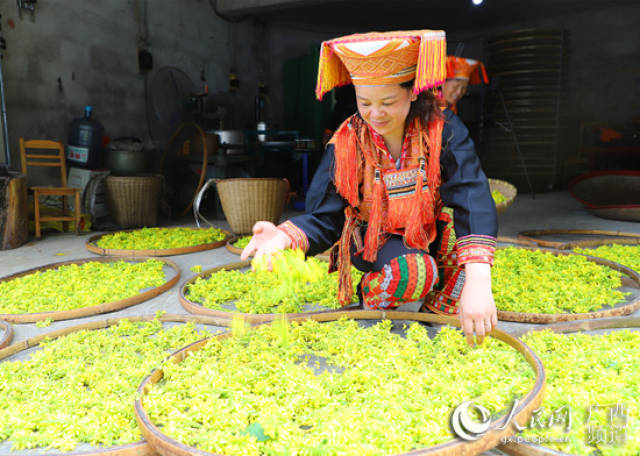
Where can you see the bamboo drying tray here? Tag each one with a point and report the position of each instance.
(132, 449)
(537, 237)
(100, 308)
(7, 334)
(165, 445)
(231, 248)
(630, 278)
(609, 194)
(93, 248)
(199, 309)
(515, 240)
(508, 190)
(532, 449)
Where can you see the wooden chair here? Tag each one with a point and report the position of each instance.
(44, 157)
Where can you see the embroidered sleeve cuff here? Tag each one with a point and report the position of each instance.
(299, 239)
(475, 249)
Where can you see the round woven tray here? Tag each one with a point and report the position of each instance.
(600, 237)
(231, 248)
(165, 445)
(532, 449)
(132, 449)
(508, 190)
(609, 194)
(93, 248)
(515, 240)
(7, 334)
(630, 278)
(199, 309)
(92, 310)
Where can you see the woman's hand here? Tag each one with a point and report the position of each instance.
(477, 308)
(267, 239)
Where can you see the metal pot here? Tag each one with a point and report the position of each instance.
(126, 157)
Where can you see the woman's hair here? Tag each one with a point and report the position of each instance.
(426, 106)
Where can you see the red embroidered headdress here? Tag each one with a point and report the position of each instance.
(461, 68)
(383, 58)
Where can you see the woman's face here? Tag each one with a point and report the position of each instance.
(385, 107)
(454, 89)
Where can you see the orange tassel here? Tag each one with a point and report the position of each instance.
(480, 75)
(375, 221)
(331, 72)
(421, 227)
(431, 69)
(347, 165)
(434, 178)
(345, 286)
(485, 78)
(434, 142)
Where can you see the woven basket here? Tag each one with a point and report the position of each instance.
(134, 200)
(247, 201)
(508, 190)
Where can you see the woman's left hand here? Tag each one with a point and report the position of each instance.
(477, 308)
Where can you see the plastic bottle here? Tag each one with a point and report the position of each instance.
(84, 146)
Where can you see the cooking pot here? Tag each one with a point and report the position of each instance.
(126, 157)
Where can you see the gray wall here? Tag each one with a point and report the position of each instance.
(286, 43)
(91, 46)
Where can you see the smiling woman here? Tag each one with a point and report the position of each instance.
(385, 108)
(387, 173)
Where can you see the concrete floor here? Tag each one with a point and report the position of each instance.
(549, 210)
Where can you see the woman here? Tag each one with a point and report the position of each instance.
(383, 181)
(460, 73)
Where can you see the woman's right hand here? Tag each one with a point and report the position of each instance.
(267, 239)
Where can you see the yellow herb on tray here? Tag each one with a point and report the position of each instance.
(595, 379)
(80, 388)
(160, 238)
(331, 388)
(541, 282)
(78, 285)
(626, 255)
(242, 242)
(293, 283)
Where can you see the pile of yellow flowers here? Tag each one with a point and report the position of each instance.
(78, 285)
(498, 197)
(595, 377)
(242, 242)
(292, 283)
(160, 238)
(315, 388)
(541, 282)
(81, 387)
(626, 255)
